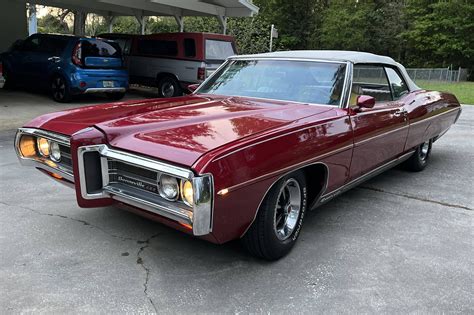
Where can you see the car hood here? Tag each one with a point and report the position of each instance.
(181, 130)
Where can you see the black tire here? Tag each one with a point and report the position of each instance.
(60, 91)
(169, 87)
(418, 161)
(264, 239)
(115, 96)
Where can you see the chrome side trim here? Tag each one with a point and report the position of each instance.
(105, 90)
(291, 168)
(265, 140)
(325, 198)
(278, 179)
(434, 116)
(381, 135)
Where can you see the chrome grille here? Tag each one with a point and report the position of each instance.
(132, 176)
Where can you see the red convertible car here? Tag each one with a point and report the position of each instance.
(264, 139)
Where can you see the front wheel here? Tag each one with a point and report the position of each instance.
(418, 161)
(280, 217)
(60, 90)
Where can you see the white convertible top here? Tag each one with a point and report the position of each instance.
(336, 55)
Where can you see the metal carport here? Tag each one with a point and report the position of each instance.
(13, 12)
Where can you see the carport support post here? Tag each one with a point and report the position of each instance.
(110, 23)
(142, 21)
(179, 19)
(223, 22)
(80, 23)
(32, 21)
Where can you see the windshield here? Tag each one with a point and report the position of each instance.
(298, 81)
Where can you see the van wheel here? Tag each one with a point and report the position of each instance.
(278, 223)
(418, 161)
(169, 87)
(60, 90)
(115, 96)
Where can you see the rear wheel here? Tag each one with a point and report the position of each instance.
(60, 90)
(169, 87)
(418, 161)
(280, 217)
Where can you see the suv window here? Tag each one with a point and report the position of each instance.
(53, 45)
(189, 47)
(218, 49)
(372, 81)
(100, 48)
(31, 44)
(158, 47)
(398, 85)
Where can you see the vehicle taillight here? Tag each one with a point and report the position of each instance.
(77, 55)
(201, 73)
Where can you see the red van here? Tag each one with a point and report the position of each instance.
(172, 61)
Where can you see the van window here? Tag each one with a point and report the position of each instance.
(158, 47)
(124, 44)
(189, 47)
(100, 48)
(218, 49)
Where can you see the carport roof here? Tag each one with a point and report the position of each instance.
(228, 8)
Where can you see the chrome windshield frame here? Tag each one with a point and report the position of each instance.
(345, 95)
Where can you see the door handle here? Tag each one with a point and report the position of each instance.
(54, 59)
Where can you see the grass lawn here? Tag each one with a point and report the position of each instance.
(464, 91)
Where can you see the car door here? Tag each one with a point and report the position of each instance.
(22, 57)
(379, 132)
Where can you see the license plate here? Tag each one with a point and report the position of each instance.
(108, 84)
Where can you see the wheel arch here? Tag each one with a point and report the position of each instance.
(317, 179)
(162, 75)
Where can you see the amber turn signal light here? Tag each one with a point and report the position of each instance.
(27, 146)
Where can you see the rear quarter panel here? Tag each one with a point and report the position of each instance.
(430, 114)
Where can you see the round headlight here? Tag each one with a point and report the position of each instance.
(55, 152)
(187, 192)
(168, 187)
(43, 146)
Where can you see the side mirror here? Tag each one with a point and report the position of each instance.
(365, 101)
(193, 87)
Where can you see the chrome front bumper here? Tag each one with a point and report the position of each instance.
(199, 216)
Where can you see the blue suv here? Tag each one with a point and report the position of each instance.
(66, 66)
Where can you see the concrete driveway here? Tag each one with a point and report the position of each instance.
(402, 242)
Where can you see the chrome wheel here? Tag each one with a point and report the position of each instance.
(424, 150)
(58, 87)
(167, 89)
(288, 209)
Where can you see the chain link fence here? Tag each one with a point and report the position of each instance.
(438, 74)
